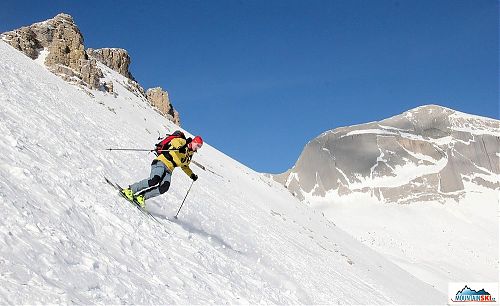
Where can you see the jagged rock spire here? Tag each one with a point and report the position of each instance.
(66, 56)
(64, 42)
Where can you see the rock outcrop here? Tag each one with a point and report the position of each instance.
(115, 58)
(66, 56)
(64, 43)
(159, 99)
(25, 40)
(426, 154)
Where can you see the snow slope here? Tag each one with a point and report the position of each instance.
(66, 237)
(437, 243)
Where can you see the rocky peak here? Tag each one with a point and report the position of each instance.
(159, 99)
(64, 42)
(66, 56)
(425, 154)
(115, 58)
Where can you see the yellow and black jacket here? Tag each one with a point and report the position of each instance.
(179, 156)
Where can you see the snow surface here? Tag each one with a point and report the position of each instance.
(369, 131)
(66, 237)
(437, 243)
(42, 55)
(401, 174)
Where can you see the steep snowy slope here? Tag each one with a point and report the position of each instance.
(66, 237)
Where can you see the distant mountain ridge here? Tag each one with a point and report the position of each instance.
(58, 44)
(424, 154)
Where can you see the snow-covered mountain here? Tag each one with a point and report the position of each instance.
(421, 187)
(426, 154)
(67, 237)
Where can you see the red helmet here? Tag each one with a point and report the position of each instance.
(196, 143)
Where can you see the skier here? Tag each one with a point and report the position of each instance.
(176, 153)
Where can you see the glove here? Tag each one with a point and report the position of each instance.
(194, 177)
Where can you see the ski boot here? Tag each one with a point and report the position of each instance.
(128, 194)
(139, 200)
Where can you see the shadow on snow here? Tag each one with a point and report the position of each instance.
(197, 231)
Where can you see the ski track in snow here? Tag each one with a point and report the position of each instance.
(67, 237)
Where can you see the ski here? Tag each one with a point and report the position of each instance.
(136, 205)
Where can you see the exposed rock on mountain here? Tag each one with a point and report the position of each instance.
(425, 154)
(64, 43)
(159, 99)
(115, 58)
(25, 40)
(58, 43)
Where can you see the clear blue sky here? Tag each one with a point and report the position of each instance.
(259, 79)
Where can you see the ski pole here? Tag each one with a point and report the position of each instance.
(122, 149)
(205, 168)
(184, 199)
(143, 150)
